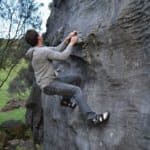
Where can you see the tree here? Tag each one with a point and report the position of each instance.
(16, 16)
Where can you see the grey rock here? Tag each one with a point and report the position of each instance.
(34, 113)
(112, 58)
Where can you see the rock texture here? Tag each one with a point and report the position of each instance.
(34, 113)
(112, 58)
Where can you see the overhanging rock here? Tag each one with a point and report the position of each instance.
(112, 58)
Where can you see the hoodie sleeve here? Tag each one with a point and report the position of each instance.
(29, 53)
(61, 46)
(55, 55)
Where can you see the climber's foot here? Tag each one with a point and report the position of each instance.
(68, 103)
(100, 118)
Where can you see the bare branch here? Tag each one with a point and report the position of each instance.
(2, 82)
(16, 16)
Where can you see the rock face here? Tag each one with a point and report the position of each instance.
(112, 58)
(34, 113)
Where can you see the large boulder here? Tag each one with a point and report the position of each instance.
(112, 58)
(34, 113)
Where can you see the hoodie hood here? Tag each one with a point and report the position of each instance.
(29, 53)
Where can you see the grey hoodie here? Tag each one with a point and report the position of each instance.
(42, 61)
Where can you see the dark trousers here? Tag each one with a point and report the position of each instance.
(67, 87)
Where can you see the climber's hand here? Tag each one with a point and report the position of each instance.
(74, 40)
(71, 34)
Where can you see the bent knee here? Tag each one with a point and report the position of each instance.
(78, 90)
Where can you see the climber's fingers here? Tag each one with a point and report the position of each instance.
(73, 33)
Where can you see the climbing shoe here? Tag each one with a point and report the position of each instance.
(68, 103)
(99, 118)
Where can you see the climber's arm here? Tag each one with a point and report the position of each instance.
(61, 46)
(55, 55)
(66, 41)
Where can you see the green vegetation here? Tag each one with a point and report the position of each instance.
(17, 114)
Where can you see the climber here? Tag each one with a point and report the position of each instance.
(42, 57)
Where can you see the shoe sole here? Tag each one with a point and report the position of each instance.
(100, 123)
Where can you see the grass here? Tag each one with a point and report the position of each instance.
(17, 114)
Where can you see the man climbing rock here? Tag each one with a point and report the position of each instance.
(42, 57)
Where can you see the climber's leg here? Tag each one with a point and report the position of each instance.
(65, 89)
(74, 79)
(71, 78)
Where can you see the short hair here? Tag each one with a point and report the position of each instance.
(31, 37)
